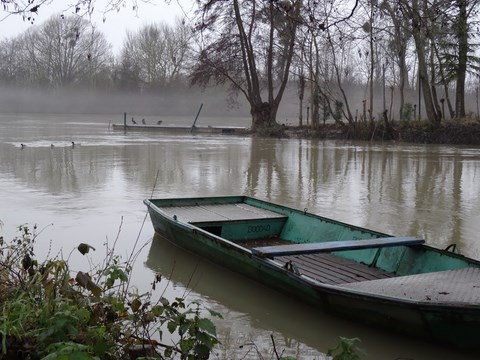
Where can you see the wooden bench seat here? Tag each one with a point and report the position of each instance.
(329, 246)
(211, 213)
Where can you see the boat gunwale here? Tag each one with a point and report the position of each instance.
(283, 208)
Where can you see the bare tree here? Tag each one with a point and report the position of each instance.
(418, 12)
(461, 25)
(255, 57)
(399, 40)
(159, 53)
(65, 51)
(11, 66)
(441, 30)
(127, 71)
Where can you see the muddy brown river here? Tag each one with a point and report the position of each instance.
(92, 192)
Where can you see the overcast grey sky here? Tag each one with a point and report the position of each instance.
(116, 24)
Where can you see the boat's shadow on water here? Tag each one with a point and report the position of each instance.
(248, 306)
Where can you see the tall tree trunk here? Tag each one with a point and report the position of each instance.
(347, 113)
(436, 104)
(432, 115)
(444, 82)
(301, 94)
(372, 64)
(263, 115)
(403, 73)
(400, 37)
(420, 43)
(462, 38)
(314, 75)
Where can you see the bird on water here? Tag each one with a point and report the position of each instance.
(143, 122)
(23, 146)
(133, 120)
(159, 122)
(73, 144)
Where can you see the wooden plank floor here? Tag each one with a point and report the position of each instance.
(323, 267)
(331, 269)
(460, 286)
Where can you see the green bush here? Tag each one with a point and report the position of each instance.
(47, 314)
(346, 349)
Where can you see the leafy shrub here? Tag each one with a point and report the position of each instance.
(47, 314)
(346, 349)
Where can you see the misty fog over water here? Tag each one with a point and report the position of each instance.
(176, 102)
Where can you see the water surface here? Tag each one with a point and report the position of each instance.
(92, 191)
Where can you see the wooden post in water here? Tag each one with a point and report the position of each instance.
(124, 122)
(196, 117)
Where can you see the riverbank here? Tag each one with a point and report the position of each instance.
(418, 132)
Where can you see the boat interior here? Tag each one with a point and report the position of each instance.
(335, 253)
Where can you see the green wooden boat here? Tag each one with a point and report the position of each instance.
(397, 283)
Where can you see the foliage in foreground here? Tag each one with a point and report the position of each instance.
(47, 314)
(346, 350)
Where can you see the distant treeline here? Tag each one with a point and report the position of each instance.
(369, 62)
(66, 52)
